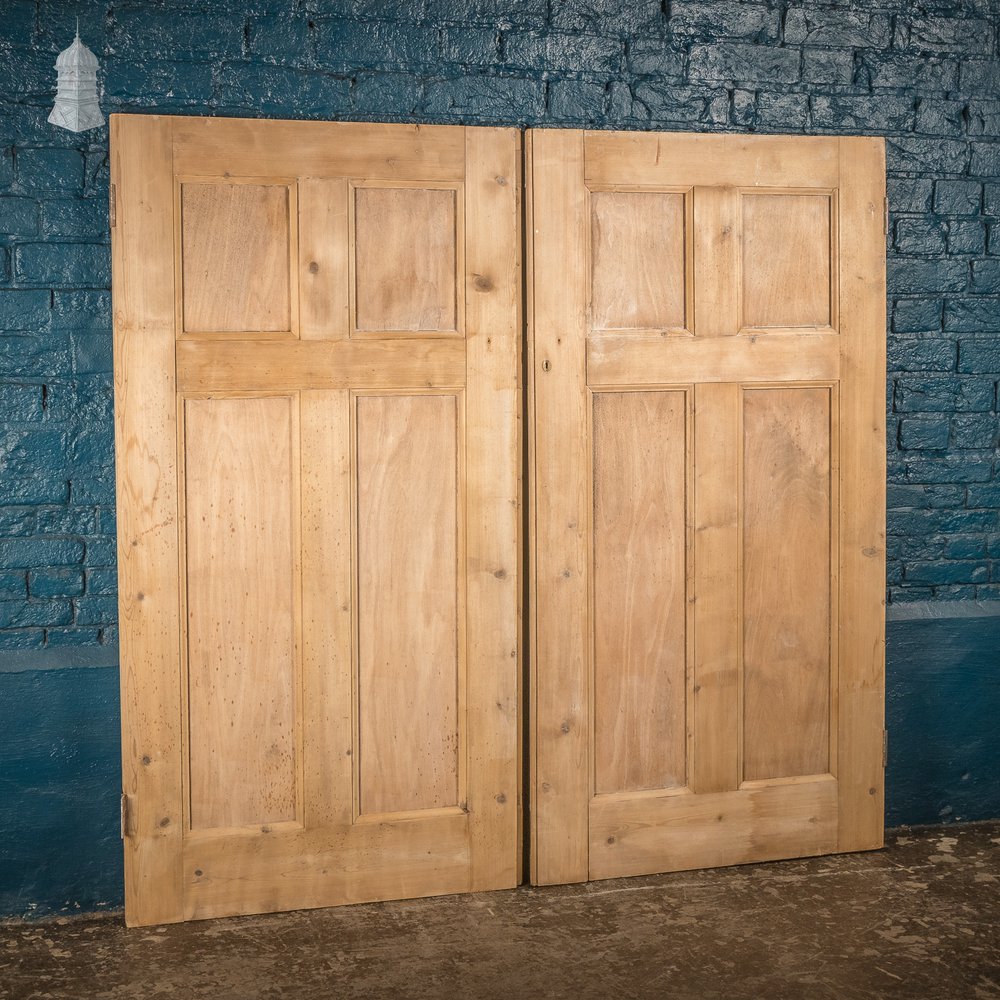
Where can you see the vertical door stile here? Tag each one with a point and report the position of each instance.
(561, 725)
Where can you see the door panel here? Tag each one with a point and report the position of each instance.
(708, 386)
(317, 358)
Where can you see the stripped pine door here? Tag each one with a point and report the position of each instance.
(317, 332)
(708, 367)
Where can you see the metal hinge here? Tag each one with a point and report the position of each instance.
(124, 816)
(885, 217)
(113, 206)
(885, 747)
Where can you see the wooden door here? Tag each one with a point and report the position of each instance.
(317, 333)
(708, 366)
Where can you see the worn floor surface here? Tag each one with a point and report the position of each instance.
(918, 920)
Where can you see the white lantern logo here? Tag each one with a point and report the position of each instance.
(76, 98)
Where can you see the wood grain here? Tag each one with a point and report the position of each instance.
(236, 259)
(861, 688)
(405, 253)
(640, 600)
(232, 365)
(786, 260)
(241, 582)
(408, 613)
(146, 481)
(493, 436)
(638, 260)
(786, 582)
(324, 252)
(560, 515)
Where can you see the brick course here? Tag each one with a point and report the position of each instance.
(926, 76)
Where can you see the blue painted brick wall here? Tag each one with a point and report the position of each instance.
(926, 75)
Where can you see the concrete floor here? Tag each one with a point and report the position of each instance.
(919, 920)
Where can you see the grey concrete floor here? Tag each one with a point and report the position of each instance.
(919, 920)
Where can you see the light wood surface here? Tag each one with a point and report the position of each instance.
(785, 369)
(346, 555)
(639, 260)
(408, 615)
(786, 582)
(861, 688)
(404, 260)
(241, 582)
(786, 260)
(640, 603)
(147, 492)
(235, 257)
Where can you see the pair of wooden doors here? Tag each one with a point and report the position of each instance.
(318, 335)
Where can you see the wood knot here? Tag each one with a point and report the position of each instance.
(564, 728)
(146, 760)
(482, 284)
(313, 267)
(501, 798)
(501, 180)
(501, 574)
(611, 840)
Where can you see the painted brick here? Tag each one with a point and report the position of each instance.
(21, 638)
(944, 394)
(101, 551)
(17, 553)
(885, 113)
(909, 194)
(281, 38)
(19, 402)
(6, 168)
(347, 44)
(966, 236)
(49, 171)
(23, 310)
(638, 17)
(926, 155)
(79, 218)
(983, 118)
(744, 63)
(563, 52)
(950, 34)
(972, 314)
(64, 264)
(44, 488)
(914, 276)
(963, 468)
(55, 583)
(921, 355)
(991, 198)
(965, 547)
(93, 489)
(522, 12)
(980, 76)
(498, 99)
(924, 434)
(269, 89)
(749, 21)
(13, 586)
(81, 309)
(986, 277)
(917, 315)
(471, 46)
(168, 84)
(842, 28)
(102, 581)
(987, 495)
(62, 638)
(830, 66)
(96, 610)
(18, 216)
(979, 356)
(974, 430)
(92, 353)
(577, 99)
(958, 197)
(908, 71)
(37, 614)
(985, 161)
(25, 450)
(371, 91)
(655, 57)
(783, 110)
(940, 117)
(665, 104)
(921, 236)
(946, 572)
